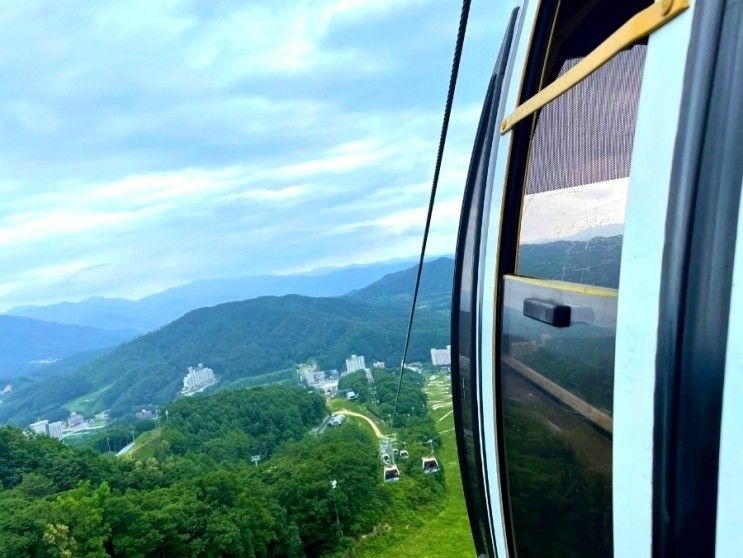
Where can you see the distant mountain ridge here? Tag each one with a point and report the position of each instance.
(595, 261)
(154, 311)
(397, 288)
(28, 345)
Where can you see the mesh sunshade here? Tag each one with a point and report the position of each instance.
(585, 135)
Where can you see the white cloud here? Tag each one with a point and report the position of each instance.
(145, 144)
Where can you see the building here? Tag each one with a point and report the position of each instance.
(40, 427)
(307, 367)
(378, 364)
(522, 348)
(75, 419)
(337, 420)
(354, 363)
(441, 357)
(146, 414)
(313, 377)
(54, 429)
(329, 388)
(197, 378)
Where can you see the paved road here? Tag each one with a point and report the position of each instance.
(377, 432)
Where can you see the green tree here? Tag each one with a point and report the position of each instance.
(78, 522)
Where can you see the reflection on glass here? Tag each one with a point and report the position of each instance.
(574, 234)
(557, 388)
(575, 189)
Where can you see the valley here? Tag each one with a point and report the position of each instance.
(247, 343)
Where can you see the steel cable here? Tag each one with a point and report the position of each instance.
(464, 16)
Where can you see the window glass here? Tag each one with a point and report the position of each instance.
(557, 382)
(557, 387)
(576, 187)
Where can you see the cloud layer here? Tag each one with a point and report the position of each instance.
(146, 144)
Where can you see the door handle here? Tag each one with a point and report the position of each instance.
(557, 315)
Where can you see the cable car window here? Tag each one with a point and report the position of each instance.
(576, 180)
(558, 319)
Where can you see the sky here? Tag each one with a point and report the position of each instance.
(148, 143)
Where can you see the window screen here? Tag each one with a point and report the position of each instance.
(576, 180)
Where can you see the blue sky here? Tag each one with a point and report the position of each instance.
(145, 144)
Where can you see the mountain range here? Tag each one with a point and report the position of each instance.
(154, 311)
(243, 341)
(29, 346)
(396, 289)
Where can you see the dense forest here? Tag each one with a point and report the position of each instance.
(396, 289)
(196, 492)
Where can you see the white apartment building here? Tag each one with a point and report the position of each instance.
(40, 427)
(354, 363)
(197, 378)
(378, 364)
(441, 357)
(54, 429)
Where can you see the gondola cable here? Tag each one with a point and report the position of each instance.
(464, 16)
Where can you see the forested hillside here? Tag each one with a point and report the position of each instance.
(396, 289)
(198, 493)
(237, 340)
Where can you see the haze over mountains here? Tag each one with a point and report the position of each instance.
(28, 346)
(253, 341)
(246, 343)
(397, 288)
(154, 311)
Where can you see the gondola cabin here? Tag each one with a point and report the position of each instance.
(391, 474)
(597, 319)
(429, 465)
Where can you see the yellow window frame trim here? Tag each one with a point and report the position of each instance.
(638, 27)
(565, 286)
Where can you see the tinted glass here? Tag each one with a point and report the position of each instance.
(557, 382)
(557, 389)
(576, 187)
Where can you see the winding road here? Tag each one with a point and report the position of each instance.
(373, 425)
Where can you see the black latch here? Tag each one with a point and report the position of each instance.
(557, 315)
